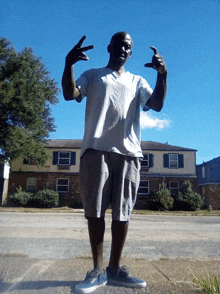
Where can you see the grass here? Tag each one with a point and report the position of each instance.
(210, 284)
(135, 211)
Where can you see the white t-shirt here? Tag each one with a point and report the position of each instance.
(112, 118)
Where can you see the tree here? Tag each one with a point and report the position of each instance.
(26, 96)
(163, 198)
(189, 199)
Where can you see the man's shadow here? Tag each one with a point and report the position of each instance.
(41, 285)
(37, 285)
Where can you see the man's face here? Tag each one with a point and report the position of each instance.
(120, 48)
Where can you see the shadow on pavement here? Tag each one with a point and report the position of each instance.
(37, 285)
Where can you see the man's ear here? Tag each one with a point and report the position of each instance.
(108, 48)
(130, 54)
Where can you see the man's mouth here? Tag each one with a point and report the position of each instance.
(122, 56)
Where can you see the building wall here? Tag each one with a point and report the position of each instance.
(48, 180)
(158, 164)
(47, 176)
(19, 165)
(154, 183)
(209, 172)
(211, 194)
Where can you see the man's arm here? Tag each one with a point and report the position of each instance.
(158, 96)
(70, 90)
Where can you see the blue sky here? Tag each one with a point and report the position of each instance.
(186, 33)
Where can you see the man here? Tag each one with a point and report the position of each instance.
(111, 152)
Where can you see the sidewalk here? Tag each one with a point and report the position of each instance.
(22, 275)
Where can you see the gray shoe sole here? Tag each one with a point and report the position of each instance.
(91, 289)
(128, 285)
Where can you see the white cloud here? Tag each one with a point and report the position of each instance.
(149, 121)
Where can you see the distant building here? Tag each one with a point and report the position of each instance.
(166, 162)
(208, 174)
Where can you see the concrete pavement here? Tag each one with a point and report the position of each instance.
(22, 275)
(37, 255)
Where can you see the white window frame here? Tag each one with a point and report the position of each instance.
(64, 158)
(57, 185)
(28, 185)
(145, 187)
(173, 188)
(173, 162)
(146, 160)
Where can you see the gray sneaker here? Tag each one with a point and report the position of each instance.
(122, 277)
(94, 279)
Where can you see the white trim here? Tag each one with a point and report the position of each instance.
(62, 185)
(174, 160)
(148, 188)
(28, 185)
(146, 160)
(69, 158)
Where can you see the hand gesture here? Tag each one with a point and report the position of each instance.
(77, 53)
(157, 62)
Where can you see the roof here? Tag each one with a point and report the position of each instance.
(64, 143)
(150, 145)
(217, 159)
(145, 145)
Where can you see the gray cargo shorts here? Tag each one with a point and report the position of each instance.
(109, 178)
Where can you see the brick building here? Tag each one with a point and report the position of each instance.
(166, 162)
(208, 174)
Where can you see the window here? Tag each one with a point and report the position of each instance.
(145, 161)
(31, 185)
(64, 158)
(174, 188)
(173, 160)
(29, 161)
(62, 185)
(143, 188)
(203, 172)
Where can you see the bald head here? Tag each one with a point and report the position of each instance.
(121, 35)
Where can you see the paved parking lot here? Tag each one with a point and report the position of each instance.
(50, 253)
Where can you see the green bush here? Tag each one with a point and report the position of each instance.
(45, 199)
(163, 199)
(188, 199)
(21, 198)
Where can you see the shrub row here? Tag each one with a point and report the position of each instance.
(43, 199)
(186, 200)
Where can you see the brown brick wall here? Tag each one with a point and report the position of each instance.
(154, 186)
(211, 193)
(47, 180)
(155, 181)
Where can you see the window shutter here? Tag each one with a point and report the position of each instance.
(166, 160)
(73, 158)
(151, 158)
(55, 157)
(181, 161)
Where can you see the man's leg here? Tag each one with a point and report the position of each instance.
(96, 277)
(119, 233)
(96, 227)
(120, 275)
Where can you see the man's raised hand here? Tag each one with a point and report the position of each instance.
(77, 53)
(157, 62)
